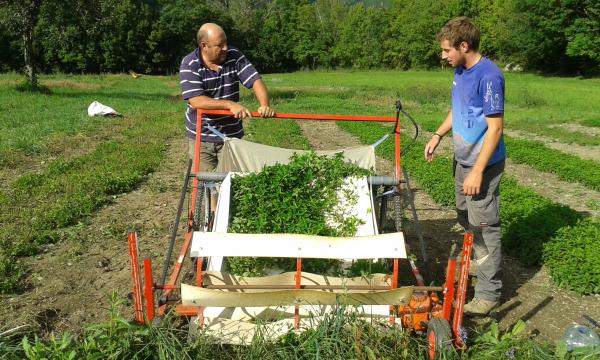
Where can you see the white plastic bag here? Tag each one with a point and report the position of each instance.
(97, 109)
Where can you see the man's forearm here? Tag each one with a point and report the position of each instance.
(446, 125)
(205, 102)
(261, 93)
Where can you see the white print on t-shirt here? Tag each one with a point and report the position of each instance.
(496, 102)
(488, 94)
(490, 98)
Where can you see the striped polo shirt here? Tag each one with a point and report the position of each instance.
(197, 80)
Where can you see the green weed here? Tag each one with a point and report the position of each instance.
(341, 335)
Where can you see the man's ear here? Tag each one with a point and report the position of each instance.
(464, 47)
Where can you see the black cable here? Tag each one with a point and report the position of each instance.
(397, 126)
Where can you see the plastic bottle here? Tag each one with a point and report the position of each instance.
(579, 336)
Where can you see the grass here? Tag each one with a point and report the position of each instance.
(65, 166)
(107, 157)
(338, 337)
(33, 124)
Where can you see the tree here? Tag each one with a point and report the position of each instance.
(361, 38)
(173, 35)
(69, 35)
(21, 16)
(274, 50)
(584, 37)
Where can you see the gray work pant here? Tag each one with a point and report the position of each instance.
(209, 154)
(481, 215)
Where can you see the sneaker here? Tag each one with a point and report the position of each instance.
(480, 307)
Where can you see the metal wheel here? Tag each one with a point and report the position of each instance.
(398, 212)
(390, 210)
(439, 338)
(202, 212)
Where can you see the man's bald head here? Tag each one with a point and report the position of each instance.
(212, 42)
(209, 31)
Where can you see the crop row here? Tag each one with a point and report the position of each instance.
(534, 153)
(530, 222)
(568, 167)
(39, 206)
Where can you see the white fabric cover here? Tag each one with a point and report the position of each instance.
(240, 155)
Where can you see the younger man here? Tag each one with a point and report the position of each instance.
(476, 121)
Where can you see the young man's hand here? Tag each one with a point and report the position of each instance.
(472, 183)
(431, 146)
(266, 111)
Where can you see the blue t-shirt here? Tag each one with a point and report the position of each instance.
(476, 93)
(198, 79)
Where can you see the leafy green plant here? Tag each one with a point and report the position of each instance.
(362, 267)
(300, 197)
(572, 256)
(513, 344)
(568, 167)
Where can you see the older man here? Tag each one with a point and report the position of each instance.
(210, 77)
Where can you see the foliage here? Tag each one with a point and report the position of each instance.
(294, 198)
(340, 335)
(283, 35)
(528, 219)
(513, 344)
(560, 31)
(584, 33)
(173, 33)
(300, 197)
(568, 167)
(572, 257)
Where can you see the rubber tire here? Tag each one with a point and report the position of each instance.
(439, 338)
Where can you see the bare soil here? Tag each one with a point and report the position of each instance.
(528, 293)
(70, 284)
(577, 128)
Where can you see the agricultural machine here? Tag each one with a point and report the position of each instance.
(197, 286)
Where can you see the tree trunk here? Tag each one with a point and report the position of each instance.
(31, 11)
(30, 70)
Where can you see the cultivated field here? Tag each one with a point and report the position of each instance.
(71, 186)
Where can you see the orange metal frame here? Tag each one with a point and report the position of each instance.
(196, 167)
(422, 305)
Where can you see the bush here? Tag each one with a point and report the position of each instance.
(573, 257)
